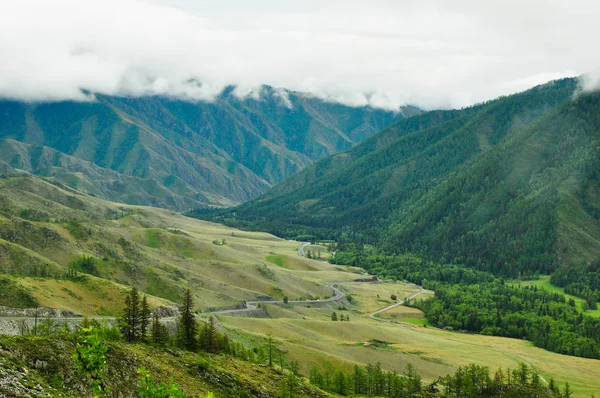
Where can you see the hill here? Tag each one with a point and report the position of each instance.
(63, 249)
(43, 366)
(519, 171)
(48, 229)
(177, 154)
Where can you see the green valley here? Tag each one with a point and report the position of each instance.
(44, 241)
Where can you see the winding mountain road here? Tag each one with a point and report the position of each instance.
(252, 305)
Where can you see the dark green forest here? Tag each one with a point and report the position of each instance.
(465, 202)
(446, 184)
(475, 301)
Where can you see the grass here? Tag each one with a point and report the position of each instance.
(90, 296)
(195, 373)
(544, 283)
(153, 238)
(276, 259)
(373, 296)
(15, 295)
(405, 314)
(141, 249)
(310, 337)
(159, 251)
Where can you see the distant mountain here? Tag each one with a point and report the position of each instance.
(177, 154)
(509, 186)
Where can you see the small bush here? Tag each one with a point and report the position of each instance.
(149, 388)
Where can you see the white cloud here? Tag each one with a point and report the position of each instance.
(590, 81)
(383, 53)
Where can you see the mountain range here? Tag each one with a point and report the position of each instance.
(179, 154)
(509, 186)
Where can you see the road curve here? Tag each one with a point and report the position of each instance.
(389, 307)
(252, 305)
(421, 291)
(301, 249)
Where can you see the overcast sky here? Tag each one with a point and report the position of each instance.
(433, 54)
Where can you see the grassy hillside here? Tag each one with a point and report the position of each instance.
(309, 336)
(517, 171)
(32, 366)
(178, 154)
(45, 229)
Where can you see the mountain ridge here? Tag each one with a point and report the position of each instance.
(179, 154)
(442, 182)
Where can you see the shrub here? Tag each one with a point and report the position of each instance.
(149, 388)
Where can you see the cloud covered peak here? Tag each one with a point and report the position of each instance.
(429, 54)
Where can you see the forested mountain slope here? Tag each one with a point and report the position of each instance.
(509, 186)
(177, 154)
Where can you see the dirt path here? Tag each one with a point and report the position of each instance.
(389, 307)
(411, 329)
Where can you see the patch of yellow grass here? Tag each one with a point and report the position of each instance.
(432, 351)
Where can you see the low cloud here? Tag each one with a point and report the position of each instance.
(432, 54)
(590, 81)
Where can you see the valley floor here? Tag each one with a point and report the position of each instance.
(162, 252)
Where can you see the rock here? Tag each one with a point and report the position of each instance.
(40, 364)
(165, 312)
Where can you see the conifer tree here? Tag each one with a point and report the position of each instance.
(129, 321)
(144, 318)
(292, 376)
(209, 336)
(552, 386)
(270, 348)
(155, 329)
(567, 393)
(187, 323)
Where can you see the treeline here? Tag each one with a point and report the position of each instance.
(408, 267)
(472, 381)
(498, 309)
(476, 301)
(581, 281)
(137, 324)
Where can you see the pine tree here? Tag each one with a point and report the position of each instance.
(144, 318)
(568, 392)
(523, 374)
(270, 346)
(155, 329)
(292, 375)
(552, 386)
(187, 323)
(334, 316)
(129, 321)
(209, 336)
